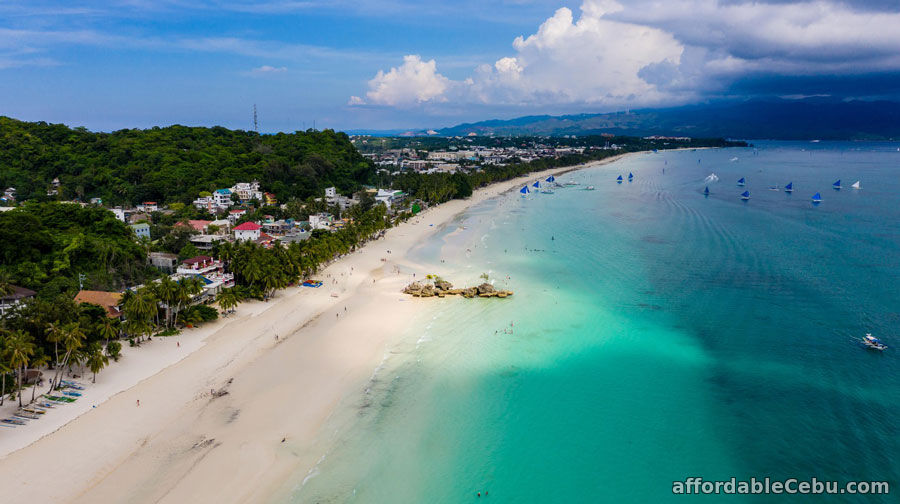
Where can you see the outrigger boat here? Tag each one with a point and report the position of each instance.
(789, 188)
(874, 343)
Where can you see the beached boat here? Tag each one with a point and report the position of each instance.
(855, 185)
(589, 188)
(789, 188)
(874, 343)
(571, 182)
(619, 179)
(745, 195)
(817, 198)
(836, 185)
(742, 182)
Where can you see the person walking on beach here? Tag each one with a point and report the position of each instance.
(138, 402)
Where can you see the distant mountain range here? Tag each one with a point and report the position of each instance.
(770, 119)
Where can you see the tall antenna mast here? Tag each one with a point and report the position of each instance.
(255, 122)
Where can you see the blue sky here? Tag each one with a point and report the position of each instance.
(404, 64)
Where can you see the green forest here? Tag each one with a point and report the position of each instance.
(45, 246)
(173, 164)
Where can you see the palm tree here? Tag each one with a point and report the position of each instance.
(108, 329)
(96, 360)
(166, 290)
(40, 359)
(21, 348)
(72, 340)
(140, 310)
(6, 286)
(227, 299)
(4, 368)
(55, 335)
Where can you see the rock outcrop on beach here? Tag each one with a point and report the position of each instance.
(443, 288)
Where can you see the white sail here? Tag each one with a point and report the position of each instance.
(855, 185)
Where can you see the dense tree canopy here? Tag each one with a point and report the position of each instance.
(173, 164)
(45, 246)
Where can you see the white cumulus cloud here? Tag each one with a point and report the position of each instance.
(649, 52)
(413, 82)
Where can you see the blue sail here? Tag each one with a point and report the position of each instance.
(536, 184)
(619, 179)
(524, 190)
(837, 184)
(817, 198)
(551, 178)
(706, 191)
(789, 187)
(741, 181)
(745, 195)
(630, 176)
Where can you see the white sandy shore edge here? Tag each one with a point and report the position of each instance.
(183, 445)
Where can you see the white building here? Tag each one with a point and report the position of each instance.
(247, 231)
(247, 191)
(120, 214)
(148, 206)
(389, 196)
(321, 221)
(330, 192)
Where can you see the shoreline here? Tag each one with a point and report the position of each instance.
(158, 451)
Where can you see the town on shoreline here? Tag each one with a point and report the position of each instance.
(80, 278)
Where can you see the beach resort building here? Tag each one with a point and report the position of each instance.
(164, 261)
(110, 301)
(141, 229)
(206, 241)
(389, 197)
(247, 231)
(321, 220)
(234, 215)
(11, 300)
(148, 206)
(247, 191)
(210, 271)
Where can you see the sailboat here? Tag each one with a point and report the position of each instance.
(817, 198)
(706, 191)
(741, 182)
(837, 185)
(619, 179)
(537, 184)
(789, 188)
(630, 177)
(551, 178)
(524, 190)
(855, 185)
(745, 195)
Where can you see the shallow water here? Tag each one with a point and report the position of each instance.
(654, 334)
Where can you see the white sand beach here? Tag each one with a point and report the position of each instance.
(182, 443)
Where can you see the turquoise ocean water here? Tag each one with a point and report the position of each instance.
(655, 334)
